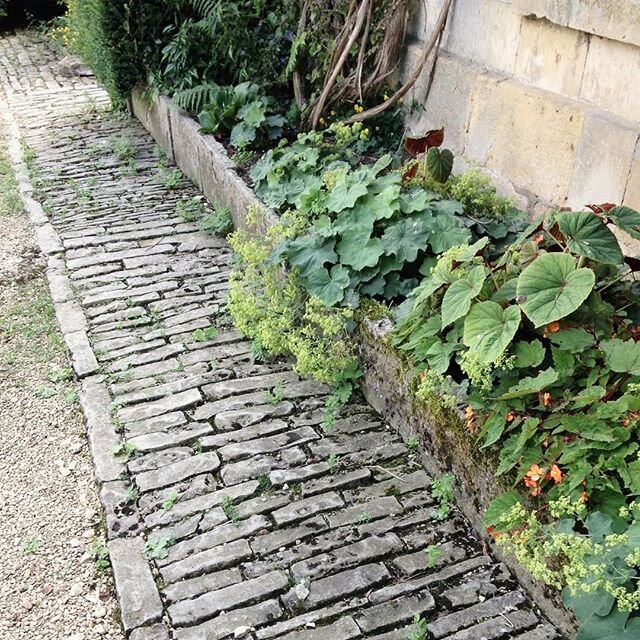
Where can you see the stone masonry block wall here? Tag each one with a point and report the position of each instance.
(544, 95)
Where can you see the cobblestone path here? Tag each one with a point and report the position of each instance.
(257, 523)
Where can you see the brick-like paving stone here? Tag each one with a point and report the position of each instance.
(276, 528)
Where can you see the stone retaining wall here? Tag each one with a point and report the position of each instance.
(543, 94)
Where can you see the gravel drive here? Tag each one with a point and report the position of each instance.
(49, 585)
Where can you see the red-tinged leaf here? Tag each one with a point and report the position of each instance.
(601, 208)
(410, 173)
(554, 230)
(633, 263)
(416, 146)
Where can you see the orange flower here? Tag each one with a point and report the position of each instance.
(533, 478)
(470, 416)
(584, 496)
(552, 327)
(535, 472)
(539, 239)
(546, 399)
(510, 416)
(626, 422)
(493, 533)
(555, 474)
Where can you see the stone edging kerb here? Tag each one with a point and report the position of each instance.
(387, 379)
(137, 592)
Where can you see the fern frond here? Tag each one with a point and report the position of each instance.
(204, 8)
(195, 98)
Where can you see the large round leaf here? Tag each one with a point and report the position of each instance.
(551, 287)
(587, 235)
(489, 329)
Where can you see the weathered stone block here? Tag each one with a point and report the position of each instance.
(551, 57)
(137, 592)
(614, 19)
(485, 31)
(154, 115)
(611, 78)
(603, 161)
(632, 193)
(524, 134)
(189, 612)
(177, 471)
(447, 104)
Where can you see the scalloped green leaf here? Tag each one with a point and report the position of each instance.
(622, 356)
(357, 249)
(447, 232)
(329, 286)
(551, 287)
(310, 253)
(529, 354)
(406, 238)
(587, 235)
(459, 296)
(489, 329)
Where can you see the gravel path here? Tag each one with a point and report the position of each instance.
(230, 512)
(49, 585)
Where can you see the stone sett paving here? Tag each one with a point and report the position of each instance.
(280, 530)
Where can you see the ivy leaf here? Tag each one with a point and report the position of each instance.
(529, 354)
(329, 286)
(405, 238)
(573, 340)
(310, 253)
(344, 195)
(588, 236)
(459, 296)
(488, 329)
(626, 219)
(552, 288)
(622, 356)
(357, 249)
(529, 386)
(499, 507)
(440, 163)
(447, 232)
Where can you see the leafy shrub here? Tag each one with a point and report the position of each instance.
(276, 312)
(242, 111)
(545, 338)
(227, 42)
(368, 232)
(117, 39)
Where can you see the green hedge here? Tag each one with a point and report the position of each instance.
(117, 39)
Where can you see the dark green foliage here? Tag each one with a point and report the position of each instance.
(117, 39)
